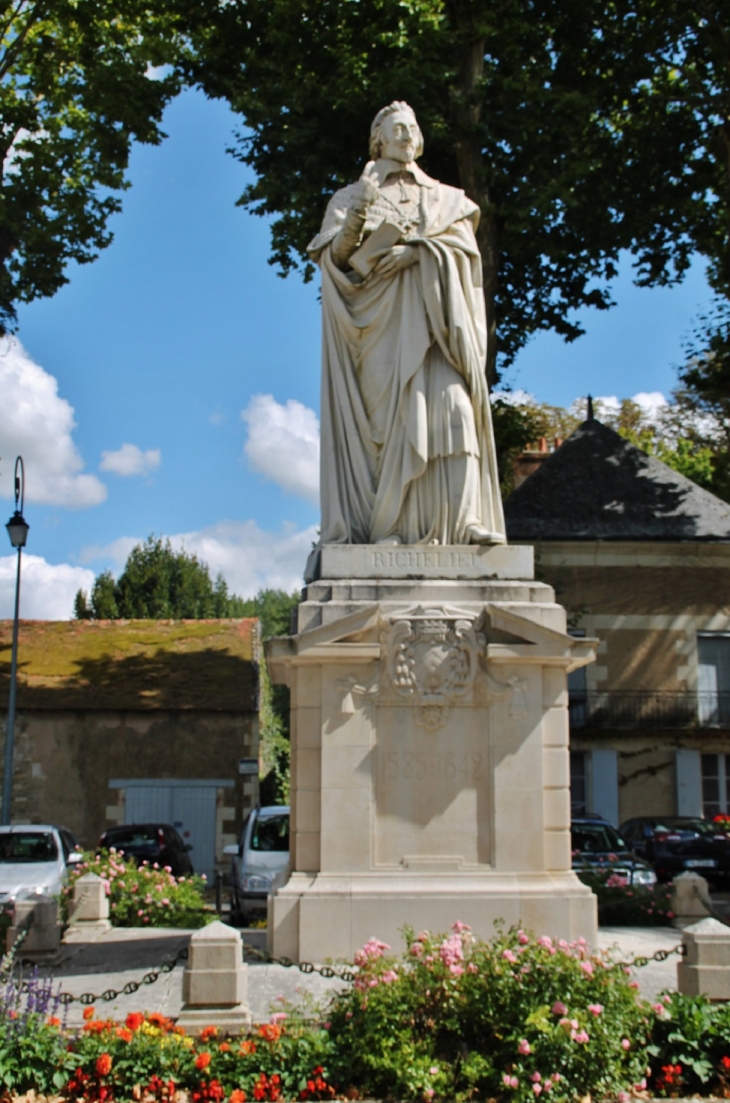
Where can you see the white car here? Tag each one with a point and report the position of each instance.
(34, 861)
(262, 853)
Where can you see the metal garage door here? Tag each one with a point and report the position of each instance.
(188, 806)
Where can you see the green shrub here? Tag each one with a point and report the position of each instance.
(689, 1050)
(624, 905)
(144, 896)
(456, 1018)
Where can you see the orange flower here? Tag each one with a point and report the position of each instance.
(88, 1013)
(237, 1096)
(103, 1064)
(134, 1020)
(157, 1019)
(270, 1031)
(53, 1021)
(224, 1047)
(247, 1047)
(202, 1061)
(208, 1032)
(124, 1034)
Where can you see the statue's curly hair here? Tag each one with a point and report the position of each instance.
(376, 130)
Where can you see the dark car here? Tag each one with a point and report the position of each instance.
(681, 844)
(150, 842)
(597, 847)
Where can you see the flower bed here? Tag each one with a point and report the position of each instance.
(453, 1019)
(144, 896)
(621, 904)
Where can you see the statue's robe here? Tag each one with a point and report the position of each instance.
(407, 440)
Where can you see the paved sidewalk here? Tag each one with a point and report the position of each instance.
(123, 955)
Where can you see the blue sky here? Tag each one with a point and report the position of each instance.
(178, 328)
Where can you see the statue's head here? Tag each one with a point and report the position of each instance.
(395, 133)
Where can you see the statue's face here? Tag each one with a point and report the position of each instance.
(400, 137)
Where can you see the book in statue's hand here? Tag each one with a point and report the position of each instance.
(364, 259)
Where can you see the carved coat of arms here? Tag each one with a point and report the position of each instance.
(431, 656)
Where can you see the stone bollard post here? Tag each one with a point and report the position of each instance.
(705, 968)
(689, 893)
(89, 917)
(44, 936)
(215, 981)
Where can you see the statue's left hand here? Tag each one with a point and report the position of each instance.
(396, 258)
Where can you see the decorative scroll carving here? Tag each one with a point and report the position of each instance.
(431, 656)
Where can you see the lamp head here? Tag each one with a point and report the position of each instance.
(17, 528)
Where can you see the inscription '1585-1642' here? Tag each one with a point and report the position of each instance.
(439, 766)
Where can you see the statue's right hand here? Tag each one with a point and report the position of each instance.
(368, 186)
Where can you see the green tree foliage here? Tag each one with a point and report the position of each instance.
(567, 121)
(159, 583)
(76, 88)
(274, 609)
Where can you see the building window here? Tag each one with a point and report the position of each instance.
(715, 784)
(578, 783)
(713, 679)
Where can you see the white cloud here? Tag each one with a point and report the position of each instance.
(36, 423)
(47, 590)
(249, 558)
(652, 403)
(283, 444)
(131, 460)
(117, 551)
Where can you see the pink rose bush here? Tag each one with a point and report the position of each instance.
(513, 1019)
(147, 896)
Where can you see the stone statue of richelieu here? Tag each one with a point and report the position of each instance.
(407, 442)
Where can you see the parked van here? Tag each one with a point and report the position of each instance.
(261, 853)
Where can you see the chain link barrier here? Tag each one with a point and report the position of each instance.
(345, 973)
(640, 961)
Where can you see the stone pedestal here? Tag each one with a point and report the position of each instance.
(215, 982)
(705, 969)
(89, 913)
(44, 935)
(430, 767)
(690, 899)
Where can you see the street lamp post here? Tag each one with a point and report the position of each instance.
(17, 528)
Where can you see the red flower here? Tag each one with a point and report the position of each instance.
(237, 1096)
(224, 1047)
(134, 1020)
(88, 1013)
(53, 1021)
(208, 1032)
(103, 1064)
(124, 1034)
(725, 1062)
(202, 1061)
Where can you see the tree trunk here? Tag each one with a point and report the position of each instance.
(467, 105)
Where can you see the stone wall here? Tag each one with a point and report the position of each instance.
(65, 760)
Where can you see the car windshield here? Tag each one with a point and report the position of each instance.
(271, 833)
(28, 846)
(689, 827)
(131, 836)
(596, 838)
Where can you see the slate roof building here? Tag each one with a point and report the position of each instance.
(136, 721)
(640, 557)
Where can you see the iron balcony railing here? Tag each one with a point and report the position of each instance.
(649, 708)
